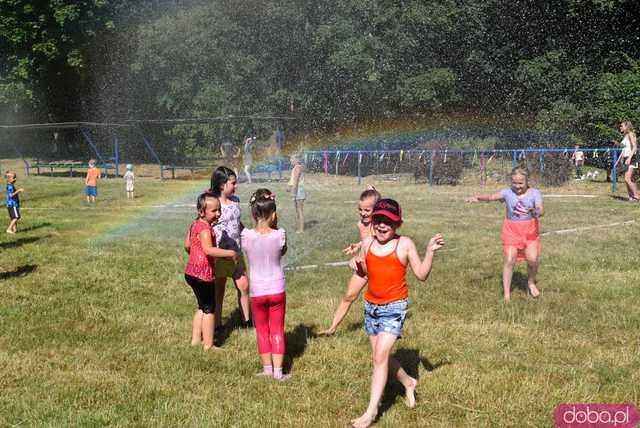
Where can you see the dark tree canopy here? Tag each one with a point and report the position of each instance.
(571, 65)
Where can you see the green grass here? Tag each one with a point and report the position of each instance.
(95, 315)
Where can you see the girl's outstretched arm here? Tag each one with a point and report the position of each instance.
(359, 263)
(538, 209)
(210, 250)
(422, 268)
(187, 241)
(484, 197)
(283, 251)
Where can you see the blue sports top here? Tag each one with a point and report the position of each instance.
(12, 201)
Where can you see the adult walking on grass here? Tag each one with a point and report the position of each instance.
(629, 158)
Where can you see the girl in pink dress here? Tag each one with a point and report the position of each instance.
(199, 273)
(264, 246)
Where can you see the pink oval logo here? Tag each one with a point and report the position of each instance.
(596, 416)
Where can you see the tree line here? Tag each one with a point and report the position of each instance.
(568, 66)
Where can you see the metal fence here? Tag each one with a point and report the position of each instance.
(172, 145)
(452, 166)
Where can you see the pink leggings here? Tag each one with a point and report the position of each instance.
(268, 315)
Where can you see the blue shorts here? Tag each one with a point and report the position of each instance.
(92, 191)
(387, 318)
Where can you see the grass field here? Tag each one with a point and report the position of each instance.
(95, 315)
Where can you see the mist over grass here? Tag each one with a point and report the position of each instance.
(96, 316)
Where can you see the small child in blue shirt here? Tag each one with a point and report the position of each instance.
(13, 201)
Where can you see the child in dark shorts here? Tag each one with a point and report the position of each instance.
(13, 202)
(199, 273)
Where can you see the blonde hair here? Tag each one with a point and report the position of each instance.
(628, 125)
(521, 170)
(11, 173)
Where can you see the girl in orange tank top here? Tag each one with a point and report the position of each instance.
(387, 281)
(386, 300)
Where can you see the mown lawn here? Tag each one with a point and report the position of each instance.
(95, 315)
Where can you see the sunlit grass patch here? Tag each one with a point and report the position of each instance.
(95, 313)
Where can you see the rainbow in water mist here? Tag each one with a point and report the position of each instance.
(455, 130)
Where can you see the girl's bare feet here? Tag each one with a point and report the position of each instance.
(363, 421)
(410, 393)
(212, 348)
(283, 378)
(533, 290)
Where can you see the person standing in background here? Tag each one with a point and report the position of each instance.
(578, 160)
(628, 158)
(91, 181)
(247, 156)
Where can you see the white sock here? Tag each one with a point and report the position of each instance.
(277, 373)
(268, 370)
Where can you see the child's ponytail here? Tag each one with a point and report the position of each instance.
(262, 203)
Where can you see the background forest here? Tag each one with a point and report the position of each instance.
(569, 66)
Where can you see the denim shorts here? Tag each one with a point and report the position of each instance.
(387, 318)
(92, 191)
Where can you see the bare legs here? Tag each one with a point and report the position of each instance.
(510, 257)
(221, 286)
(383, 365)
(202, 329)
(353, 290)
(242, 285)
(299, 204)
(632, 189)
(13, 226)
(531, 254)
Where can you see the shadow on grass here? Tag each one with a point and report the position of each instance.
(20, 242)
(224, 331)
(519, 282)
(35, 227)
(296, 343)
(21, 271)
(620, 198)
(310, 224)
(357, 325)
(410, 360)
